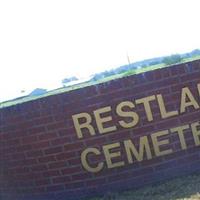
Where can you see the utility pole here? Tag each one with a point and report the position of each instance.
(128, 59)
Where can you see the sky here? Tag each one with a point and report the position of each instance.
(45, 41)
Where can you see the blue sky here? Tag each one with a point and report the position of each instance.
(44, 41)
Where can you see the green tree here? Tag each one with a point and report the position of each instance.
(173, 59)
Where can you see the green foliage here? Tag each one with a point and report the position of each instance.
(195, 52)
(173, 59)
(102, 75)
(70, 79)
(154, 63)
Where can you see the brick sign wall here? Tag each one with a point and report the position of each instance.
(117, 135)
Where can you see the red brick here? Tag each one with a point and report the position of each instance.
(55, 188)
(99, 140)
(40, 167)
(35, 153)
(56, 125)
(117, 177)
(47, 136)
(47, 159)
(18, 156)
(43, 120)
(56, 165)
(51, 173)
(13, 142)
(191, 76)
(24, 147)
(62, 179)
(97, 181)
(40, 145)
(37, 130)
(74, 146)
(78, 177)
(42, 182)
(78, 184)
(70, 170)
(63, 140)
(74, 161)
(53, 150)
(29, 139)
(21, 170)
(65, 155)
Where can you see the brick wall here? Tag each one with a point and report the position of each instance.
(40, 153)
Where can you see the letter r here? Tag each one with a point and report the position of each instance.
(80, 125)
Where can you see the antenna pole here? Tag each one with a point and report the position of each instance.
(128, 59)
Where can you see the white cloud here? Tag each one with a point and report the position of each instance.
(44, 41)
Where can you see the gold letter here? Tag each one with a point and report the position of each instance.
(157, 143)
(101, 120)
(186, 93)
(85, 162)
(196, 133)
(144, 146)
(146, 102)
(86, 124)
(180, 131)
(164, 113)
(121, 113)
(198, 86)
(109, 155)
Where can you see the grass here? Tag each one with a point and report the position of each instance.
(81, 85)
(185, 188)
